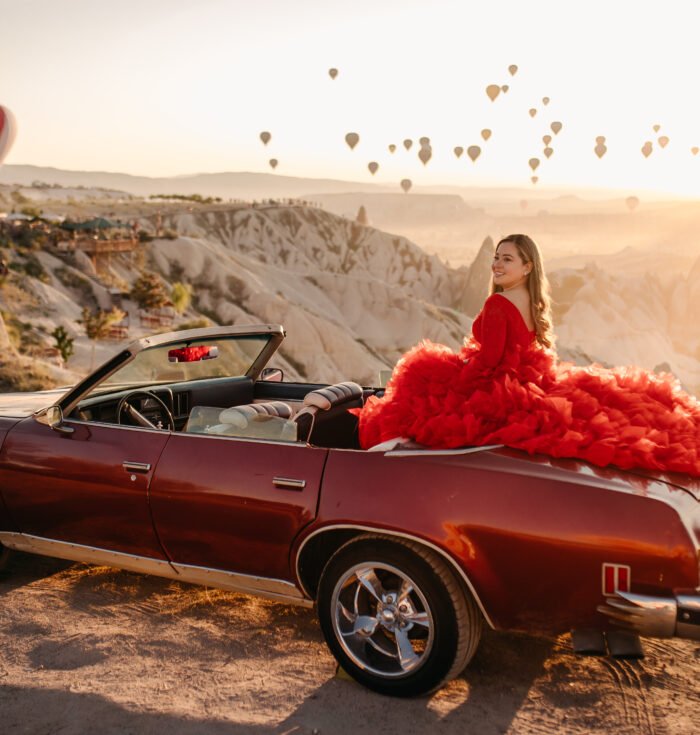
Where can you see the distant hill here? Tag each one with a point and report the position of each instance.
(241, 185)
(249, 185)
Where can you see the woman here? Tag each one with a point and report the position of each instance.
(505, 387)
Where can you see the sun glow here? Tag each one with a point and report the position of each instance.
(166, 88)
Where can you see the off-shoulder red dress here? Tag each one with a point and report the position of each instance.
(502, 387)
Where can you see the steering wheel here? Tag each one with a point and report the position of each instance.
(124, 406)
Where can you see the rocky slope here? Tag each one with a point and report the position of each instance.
(351, 297)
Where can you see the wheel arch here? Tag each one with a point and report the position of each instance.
(318, 547)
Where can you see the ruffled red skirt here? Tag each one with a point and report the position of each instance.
(627, 417)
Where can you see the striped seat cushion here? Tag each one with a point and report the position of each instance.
(240, 416)
(333, 395)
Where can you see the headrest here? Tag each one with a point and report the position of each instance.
(239, 416)
(333, 395)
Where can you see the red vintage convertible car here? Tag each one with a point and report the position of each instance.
(184, 456)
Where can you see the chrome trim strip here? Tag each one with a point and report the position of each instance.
(276, 589)
(288, 483)
(136, 466)
(386, 532)
(440, 452)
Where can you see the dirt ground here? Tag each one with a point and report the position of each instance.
(95, 650)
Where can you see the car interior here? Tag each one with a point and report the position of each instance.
(264, 409)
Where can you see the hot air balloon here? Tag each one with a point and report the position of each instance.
(632, 203)
(534, 163)
(473, 152)
(392, 147)
(458, 151)
(332, 73)
(265, 137)
(556, 127)
(485, 133)
(534, 179)
(663, 140)
(656, 127)
(548, 151)
(425, 154)
(647, 148)
(532, 112)
(546, 139)
(493, 90)
(406, 185)
(407, 144)
(545, 101)
(694, 150)
(424, 141)
(352, 139)
(273, 163)
(600, 148)
(8, 131)
(373, 166)
(504, 88)
(512, 69)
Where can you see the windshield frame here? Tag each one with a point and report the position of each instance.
(274, 332)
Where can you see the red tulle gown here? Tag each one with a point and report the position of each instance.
(503, 388)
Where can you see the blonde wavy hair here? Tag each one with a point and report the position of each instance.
(538, 286)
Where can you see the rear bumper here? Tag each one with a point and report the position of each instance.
(656, 617)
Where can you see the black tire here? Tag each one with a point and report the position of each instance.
(395, 616)
(5, 555)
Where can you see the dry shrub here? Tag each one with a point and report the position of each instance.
(20, 375)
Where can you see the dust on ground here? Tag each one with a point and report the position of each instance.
(93, 649)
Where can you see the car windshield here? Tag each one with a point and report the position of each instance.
(196, 359)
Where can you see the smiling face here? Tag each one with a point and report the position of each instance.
(508, 267)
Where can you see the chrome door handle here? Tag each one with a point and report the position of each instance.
(288, 483)
(136, 466)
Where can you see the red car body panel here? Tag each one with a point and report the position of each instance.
(215, 504)
(530, 536)
(74, 488)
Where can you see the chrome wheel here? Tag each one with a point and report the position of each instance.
(382, 619)
(394, 616)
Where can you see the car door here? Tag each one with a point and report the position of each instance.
(235, 504)
(89, 487)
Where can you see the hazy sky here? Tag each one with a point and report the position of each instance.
(167, 87)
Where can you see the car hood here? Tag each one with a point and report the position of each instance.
(19, 405)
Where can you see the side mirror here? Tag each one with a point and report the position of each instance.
(272, 375)
(53, 418)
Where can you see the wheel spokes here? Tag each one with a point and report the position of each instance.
(382, 619)
(347, 614)
(407, 656)
(406, 589)
(418, 618)
(369, 580)
(364, 624)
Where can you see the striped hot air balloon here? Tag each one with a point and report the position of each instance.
(8, 130)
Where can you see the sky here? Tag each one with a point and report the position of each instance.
(173, 87)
